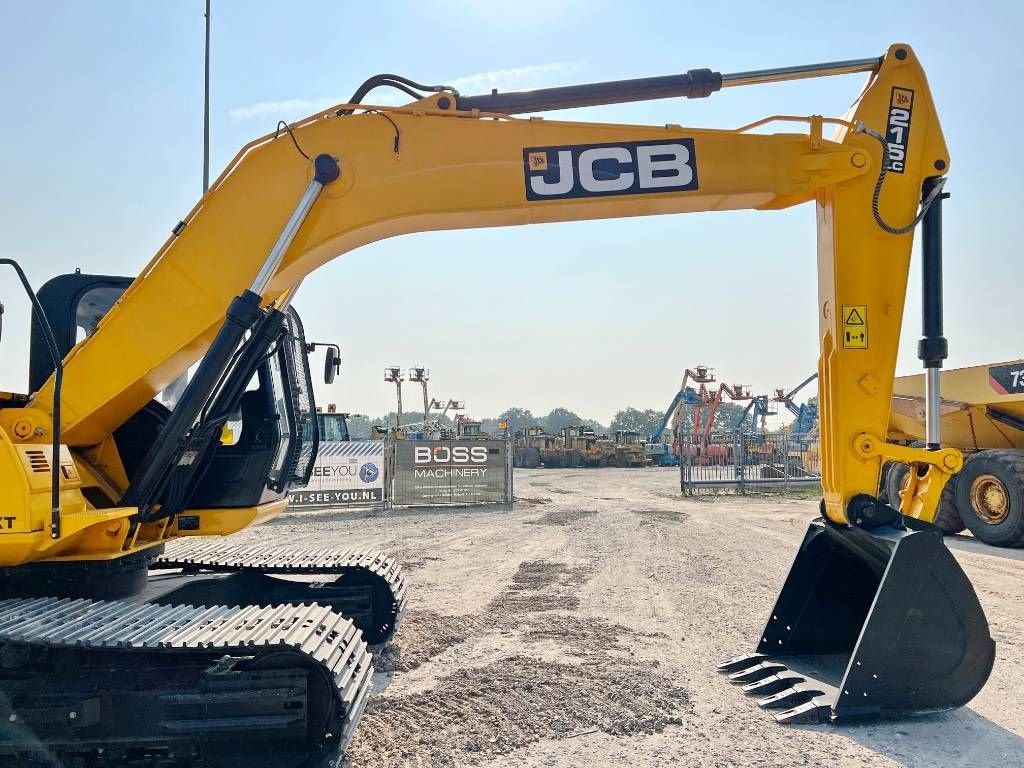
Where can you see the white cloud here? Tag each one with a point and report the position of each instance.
(532, 76)
(282, 110)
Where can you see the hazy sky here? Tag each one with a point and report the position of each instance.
(102, 149)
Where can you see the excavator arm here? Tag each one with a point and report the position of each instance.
(359, 173)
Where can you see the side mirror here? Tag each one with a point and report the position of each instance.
(332, 364)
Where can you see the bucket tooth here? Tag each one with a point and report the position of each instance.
(788, 698)
(812, 712)
(758, 672)
(738, 663)
(772, 685)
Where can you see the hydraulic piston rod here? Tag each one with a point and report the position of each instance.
(693, 84)
(242, 316)
(932, 349)
(801, 72)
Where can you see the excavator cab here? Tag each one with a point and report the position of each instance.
(74, 304)
(280, 433)
(277, 445)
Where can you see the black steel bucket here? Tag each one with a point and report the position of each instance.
(880, 623)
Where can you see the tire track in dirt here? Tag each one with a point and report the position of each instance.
(559, 516)
(541, 585)
(649, 516)
(499, 708)
(477, 713)
(421, 636)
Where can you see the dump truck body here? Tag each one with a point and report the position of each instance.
(982, 414)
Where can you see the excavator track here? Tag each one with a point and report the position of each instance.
(370, 587)
(112, 683)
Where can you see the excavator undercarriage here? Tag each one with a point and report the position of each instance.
(115, 683)
(290, 634)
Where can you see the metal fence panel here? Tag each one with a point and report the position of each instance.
(748, 462)
(439, 472)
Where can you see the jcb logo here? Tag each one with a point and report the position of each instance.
(897, 131)
(442, 454)
(595, 170)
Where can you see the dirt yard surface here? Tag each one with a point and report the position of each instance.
(582, 628)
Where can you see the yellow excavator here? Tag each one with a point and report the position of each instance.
(100, 662)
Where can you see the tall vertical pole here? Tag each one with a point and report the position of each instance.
(206, 107)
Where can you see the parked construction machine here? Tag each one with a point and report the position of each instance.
(982, 414)
(750, 431)
(535, 447)
(687, 400)
(805, 415)
(332, 425)
(659, 452)
(754, 417)
(629, 449)
(876, 618)
(697, 447)
(582, 448)
(469, 429)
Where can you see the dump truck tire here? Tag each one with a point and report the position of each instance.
(990, 497)
(527, 458)
(894, 483)
(947, 517)
(883, 483)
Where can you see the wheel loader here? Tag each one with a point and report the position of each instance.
(982, 414)
(535, 447)
(582, 448)
(629, 449)
(221, 658)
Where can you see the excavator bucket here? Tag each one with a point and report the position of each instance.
(880, 623)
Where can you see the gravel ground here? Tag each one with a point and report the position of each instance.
(582, 628)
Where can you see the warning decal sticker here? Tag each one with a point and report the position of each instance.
(855, 326)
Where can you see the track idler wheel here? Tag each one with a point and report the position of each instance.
(869, 623)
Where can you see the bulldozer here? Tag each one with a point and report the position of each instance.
(982, 415)
(219, 657)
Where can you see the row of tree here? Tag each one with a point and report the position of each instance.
(644, 421)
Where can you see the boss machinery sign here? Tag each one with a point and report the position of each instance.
(345, 474)
(429, 472)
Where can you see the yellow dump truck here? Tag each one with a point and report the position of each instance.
(982, 414)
